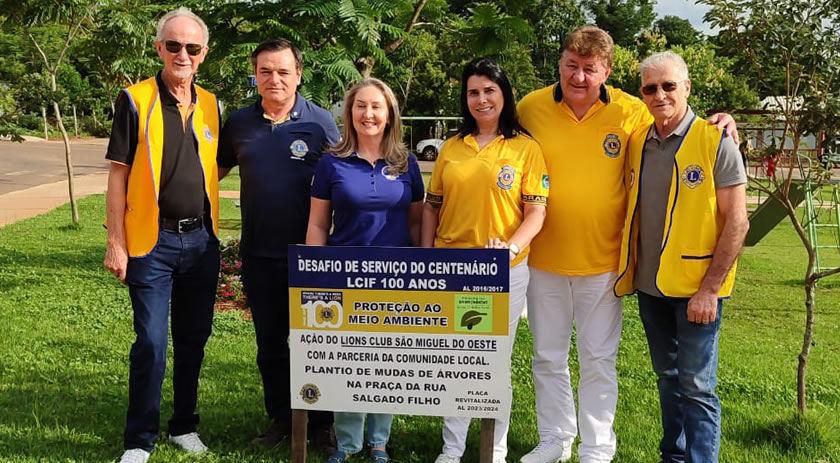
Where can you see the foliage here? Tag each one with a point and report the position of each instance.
(677, 31)
(623, 19)
(230, 273)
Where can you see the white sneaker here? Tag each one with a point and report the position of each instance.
(135, 456)
(551, 450)
(444, 458)
(189, 442)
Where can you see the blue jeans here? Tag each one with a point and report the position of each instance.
(184, 269)
(685, 357)
(350, 427)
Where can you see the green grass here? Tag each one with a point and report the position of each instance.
(65, 333)
(231, 181)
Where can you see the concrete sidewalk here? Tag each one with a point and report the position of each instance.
(23, 204)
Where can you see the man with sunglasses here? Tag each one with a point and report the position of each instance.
(583, 127)
(685, 225)
(276, 142)
(162, 211)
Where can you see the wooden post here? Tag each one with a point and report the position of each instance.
(299, 419)
(485, 445)
(46, 127)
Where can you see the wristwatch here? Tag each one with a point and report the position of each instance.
(514, 249)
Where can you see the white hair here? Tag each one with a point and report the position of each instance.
(178, 13)
(662, 59)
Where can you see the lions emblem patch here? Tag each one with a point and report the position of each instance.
(612, 145)
(386, 172)
(208, 134)
(693, 176)
(310, 393)
(299, 148)
(506, 177)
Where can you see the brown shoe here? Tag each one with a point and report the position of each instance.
(323, 439)
(272, 436)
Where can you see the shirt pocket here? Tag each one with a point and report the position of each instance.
(695, 263)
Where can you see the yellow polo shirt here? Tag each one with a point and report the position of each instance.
(585, 160)
(482, 193)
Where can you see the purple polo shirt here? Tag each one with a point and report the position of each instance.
(370, 206)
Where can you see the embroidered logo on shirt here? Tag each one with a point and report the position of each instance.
(693, 176)
(386, 172)
(299, 148)
(545, 181)
(208, 134)
(612, 145)
(506, 177)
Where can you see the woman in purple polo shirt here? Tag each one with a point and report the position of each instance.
(371, 191)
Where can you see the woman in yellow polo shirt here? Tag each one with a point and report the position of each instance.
(488, 189)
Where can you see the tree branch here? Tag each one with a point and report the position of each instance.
(408, 28)
(826, 273)
(38, 47)
(73, 30)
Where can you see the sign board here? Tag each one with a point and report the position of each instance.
(417, 331)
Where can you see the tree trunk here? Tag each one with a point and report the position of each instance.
(75, 122)
(802, 371)
(46, 126)
(74, 209)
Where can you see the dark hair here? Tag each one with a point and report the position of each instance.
(508, 121)
(277, 45)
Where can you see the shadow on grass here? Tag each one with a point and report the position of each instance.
(809, 436)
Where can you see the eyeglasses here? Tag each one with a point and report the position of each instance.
(174, 46)
(667, 87)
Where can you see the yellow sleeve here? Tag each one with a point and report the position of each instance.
(535, 182)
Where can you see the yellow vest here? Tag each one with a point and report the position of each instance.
(142, 212)
(692, 222)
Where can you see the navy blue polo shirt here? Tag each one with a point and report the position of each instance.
(370, 206)
(276, 164)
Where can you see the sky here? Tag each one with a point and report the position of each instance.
(684, 9)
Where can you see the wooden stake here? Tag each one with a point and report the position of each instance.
(299, 419)
(485, 446)
(46, 127)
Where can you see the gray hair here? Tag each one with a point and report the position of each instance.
(186, 13)
(661, 59)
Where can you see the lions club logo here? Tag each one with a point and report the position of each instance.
(299, 148)
(310, 393)
(612, 145)
(693, 176)
(386, 172)
(208, 134)
(506, 177)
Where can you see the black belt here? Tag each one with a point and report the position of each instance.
(181, 225)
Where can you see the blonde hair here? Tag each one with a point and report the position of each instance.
(393, 149)
(590, 41)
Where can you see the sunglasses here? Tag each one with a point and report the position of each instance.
(173, 46)
(667, 87)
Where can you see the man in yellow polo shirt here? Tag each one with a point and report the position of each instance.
(583, 127)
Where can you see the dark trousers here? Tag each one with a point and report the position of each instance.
(266, 282)
(183, 269)
(685, 357)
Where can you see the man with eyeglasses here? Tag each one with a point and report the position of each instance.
(276, 142)
(686, 222)
(583, 127)
(162, 217)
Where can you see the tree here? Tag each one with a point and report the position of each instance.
(799, 40)
(623, 19)
(70, 16)
(677, 31)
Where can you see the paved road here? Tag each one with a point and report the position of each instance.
(32, 163)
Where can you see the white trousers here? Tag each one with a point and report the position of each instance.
(455, 428)
(554, 303)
